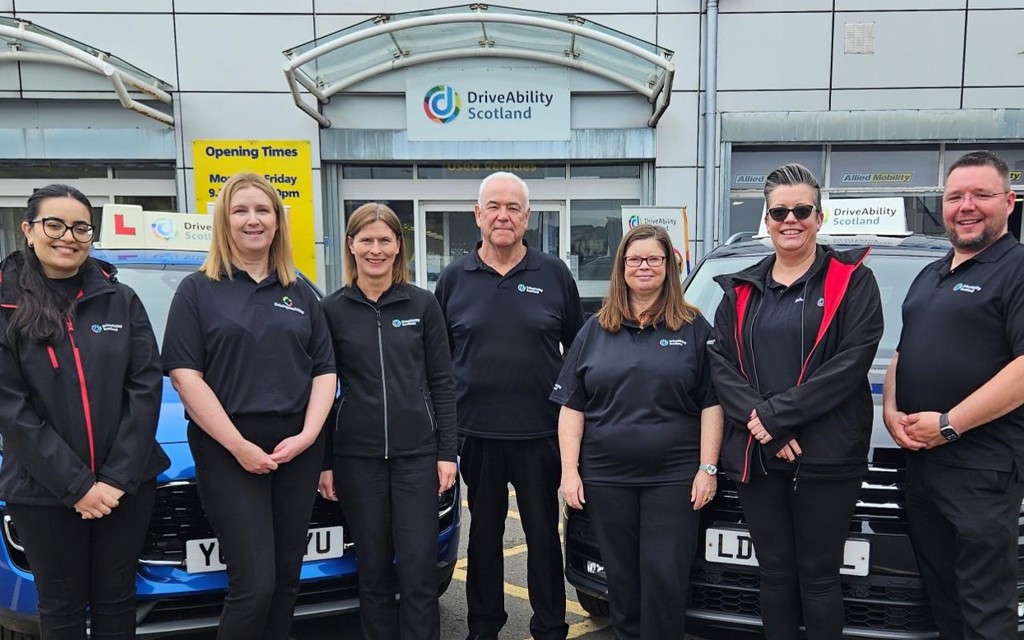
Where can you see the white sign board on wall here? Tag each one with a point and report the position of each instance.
(499, 104)
(682, 230)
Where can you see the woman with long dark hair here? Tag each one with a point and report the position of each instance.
(80, 389)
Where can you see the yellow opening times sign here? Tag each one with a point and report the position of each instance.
(286, 164)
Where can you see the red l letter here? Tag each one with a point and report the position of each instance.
(120, 228)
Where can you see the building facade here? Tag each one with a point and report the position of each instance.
(599, 105)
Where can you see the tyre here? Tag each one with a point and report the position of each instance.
(593, 606)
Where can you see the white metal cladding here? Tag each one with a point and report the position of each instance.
(28, 42)
(333, 63)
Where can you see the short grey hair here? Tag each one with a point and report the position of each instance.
(793, 174)
(504, 175)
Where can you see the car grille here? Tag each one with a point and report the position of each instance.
(891, 605)
(178, 516)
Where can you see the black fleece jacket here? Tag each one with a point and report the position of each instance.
(829, 411)
(83, 409)
(395, 370)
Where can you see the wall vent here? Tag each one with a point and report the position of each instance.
(860, 37)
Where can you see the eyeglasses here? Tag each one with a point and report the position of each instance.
(801, 211)
(56, 228)
(652, 261)
(978, 196)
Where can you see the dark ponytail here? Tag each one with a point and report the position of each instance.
(42, 309)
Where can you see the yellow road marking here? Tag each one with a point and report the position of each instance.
(589, 625)
(514, 551)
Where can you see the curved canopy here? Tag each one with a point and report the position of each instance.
(332, 63)
(28, 42)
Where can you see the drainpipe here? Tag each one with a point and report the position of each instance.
(710, 127)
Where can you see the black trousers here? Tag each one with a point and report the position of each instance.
(391, 508)
(534, 469)
(261, 522)
(963, 524)
(647, 536)
(79, 563)
(799, 532)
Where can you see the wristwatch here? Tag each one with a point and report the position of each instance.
(947, 430)
(709, 469)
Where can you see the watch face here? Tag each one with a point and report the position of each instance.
(949, 433)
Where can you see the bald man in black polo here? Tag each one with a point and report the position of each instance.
(509, 309)
(952, 398)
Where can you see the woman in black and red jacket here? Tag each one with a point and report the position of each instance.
(795, 336)
(80, 387)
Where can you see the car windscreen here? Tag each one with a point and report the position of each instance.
(894, 274)
(155, 285)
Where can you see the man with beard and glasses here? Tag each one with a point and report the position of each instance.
(952, 399)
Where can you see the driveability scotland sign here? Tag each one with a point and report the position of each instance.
(487, 104)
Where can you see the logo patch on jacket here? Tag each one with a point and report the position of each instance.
(672, 343)
(112, 328)
(525, 288)
(411, 322)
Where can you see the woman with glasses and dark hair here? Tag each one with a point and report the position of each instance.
(394, 436)
(639, 433)
(248, 350)
(80, 390)
(795, 336)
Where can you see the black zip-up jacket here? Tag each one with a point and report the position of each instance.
(84, 409)
(829, 411)
(394, 366)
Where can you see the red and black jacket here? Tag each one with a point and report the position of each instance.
(85, 408)
(830, 410)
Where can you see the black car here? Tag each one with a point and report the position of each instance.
(882, 590)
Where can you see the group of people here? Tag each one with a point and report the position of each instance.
(631, 412)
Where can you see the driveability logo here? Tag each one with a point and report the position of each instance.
(411, 322)
(672, 343)
(634, 221)
(164, 228)
(523, 288)
(966, 288)
(442, 104)
(288, 305)
(110, 327)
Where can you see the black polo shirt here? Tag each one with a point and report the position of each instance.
(505, 334)
(960, 328)
(641, 392)
(777, 342)
(258, 345)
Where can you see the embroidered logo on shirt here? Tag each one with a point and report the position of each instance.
(798, 301)
(100, 328)
(966, 288)
(821, 302)
(288, 305)
(411, 322)
(528, 289)
(672, 343)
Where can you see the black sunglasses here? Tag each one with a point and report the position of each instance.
(801, 211)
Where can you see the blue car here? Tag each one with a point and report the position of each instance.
(181, 582)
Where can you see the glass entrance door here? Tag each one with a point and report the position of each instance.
(451, 232)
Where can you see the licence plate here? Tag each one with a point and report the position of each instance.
(734, 546)
(203, 555)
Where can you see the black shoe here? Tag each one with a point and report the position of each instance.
(480, 636)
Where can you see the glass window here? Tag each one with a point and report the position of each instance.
(628, 171)
(744, 215)
(884, 166)
(403, 209)
(1012, 155)
(142, 172)
(542, 231)
(10, 229)
(751, 165)
(450, 235)
(156, 286)
(594, 234)
(377, 172)
(479, 169)
(55, 173)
